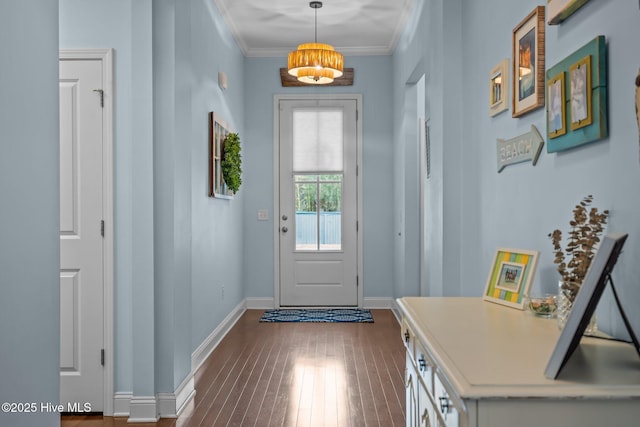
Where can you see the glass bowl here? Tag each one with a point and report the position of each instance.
(544, 306)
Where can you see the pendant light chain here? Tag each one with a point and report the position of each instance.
(315, 5)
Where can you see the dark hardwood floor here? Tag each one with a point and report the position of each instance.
(295, 374)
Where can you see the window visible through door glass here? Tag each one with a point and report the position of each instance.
(318, 175)
(318, 223)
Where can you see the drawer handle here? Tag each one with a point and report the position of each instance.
(422, 364)
(444, 404)
(407, 336)
(425, 417)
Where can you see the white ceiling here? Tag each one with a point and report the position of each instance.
(353, 27)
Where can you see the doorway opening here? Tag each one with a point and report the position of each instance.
(86, 230)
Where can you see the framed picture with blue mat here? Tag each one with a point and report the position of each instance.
(317, 315)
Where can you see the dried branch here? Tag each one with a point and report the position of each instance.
(573, 262)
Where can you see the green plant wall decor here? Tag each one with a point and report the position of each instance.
(232, 162)
(224, 159)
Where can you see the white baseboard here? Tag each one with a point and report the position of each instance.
(184, 394)
(373, 302)
(397, 314)
(122, 404)
(211, 342)
(166, 405)
(396, 311)
(143, 409)
(260, 303)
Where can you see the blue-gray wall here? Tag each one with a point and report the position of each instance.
(29, 212)
(218, 233)
(474, 209)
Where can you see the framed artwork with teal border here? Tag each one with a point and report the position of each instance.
(510, 276)
(584, 97)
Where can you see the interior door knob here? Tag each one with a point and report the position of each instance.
(285, 229)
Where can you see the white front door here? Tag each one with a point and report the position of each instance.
(81, 241)
(318, 202)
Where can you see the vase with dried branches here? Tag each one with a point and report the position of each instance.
(574, 259)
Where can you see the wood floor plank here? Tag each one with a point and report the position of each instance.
(270, 401)
(294, 374)
(260, 385)
(354, 394)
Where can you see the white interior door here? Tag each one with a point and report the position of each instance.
(81, 241)
(318, 257)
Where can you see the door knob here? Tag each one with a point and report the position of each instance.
(285, 229)
(284, 217)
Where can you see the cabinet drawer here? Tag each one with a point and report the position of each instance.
(408, 338)
(424, 365)
(450, 409)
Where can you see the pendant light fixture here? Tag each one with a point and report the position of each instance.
(315, 63)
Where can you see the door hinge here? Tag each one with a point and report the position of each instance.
(357, 226)
(102, 357)
(101, 93)
(102, 228)
(357, 281)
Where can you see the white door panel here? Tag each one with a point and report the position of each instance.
(69, 353)
(318, 258)
(81, 242)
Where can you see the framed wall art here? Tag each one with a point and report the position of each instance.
(218, 131)
(499, 88)
(580, 93)
(585, 97)
(559, 10)
(556, 106)
(510, 276)
(528, 63)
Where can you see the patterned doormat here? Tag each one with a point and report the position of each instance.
(331, 315)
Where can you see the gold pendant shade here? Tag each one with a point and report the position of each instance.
(315, 63)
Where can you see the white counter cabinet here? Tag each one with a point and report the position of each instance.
(473, 363)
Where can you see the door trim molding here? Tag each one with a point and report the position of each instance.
(276, 193)
(106, 57)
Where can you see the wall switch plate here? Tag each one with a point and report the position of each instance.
(263, 215)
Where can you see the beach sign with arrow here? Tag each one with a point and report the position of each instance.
(519, 149)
